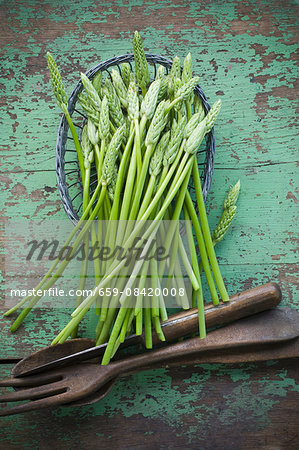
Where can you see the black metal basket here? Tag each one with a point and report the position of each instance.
(68, 176)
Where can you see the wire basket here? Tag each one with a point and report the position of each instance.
(67, 169)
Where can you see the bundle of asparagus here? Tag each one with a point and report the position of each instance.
(142, 137)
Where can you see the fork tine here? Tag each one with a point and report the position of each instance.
(35, 392)
(47, 402)
(34, 380)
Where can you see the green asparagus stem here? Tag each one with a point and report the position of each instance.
(207, 236)
(62, 102)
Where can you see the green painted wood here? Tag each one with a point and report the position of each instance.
(44, 325)
(245, 54)
(216, 406)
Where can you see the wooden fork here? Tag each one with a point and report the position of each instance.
(248, 337)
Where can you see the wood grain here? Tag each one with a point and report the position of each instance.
(245, 54)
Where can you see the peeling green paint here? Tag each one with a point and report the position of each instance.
(245, 53)
(229, 67)
(155, 395)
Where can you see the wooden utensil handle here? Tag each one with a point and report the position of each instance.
(241, 305)
(274, 327)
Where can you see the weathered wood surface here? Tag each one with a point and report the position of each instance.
(251, 406)
(245, 53)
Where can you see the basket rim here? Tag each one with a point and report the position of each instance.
(63, 129)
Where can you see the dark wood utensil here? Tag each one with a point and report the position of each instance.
(246, 303)
(71, 384)
(184, 323)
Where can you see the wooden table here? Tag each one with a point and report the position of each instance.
(245, 54)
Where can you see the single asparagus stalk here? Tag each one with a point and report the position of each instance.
(141, 66)
(229, 211)
(198, 293)
(207, 236)
(88, 132)
(202, 248)
(62, 102)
